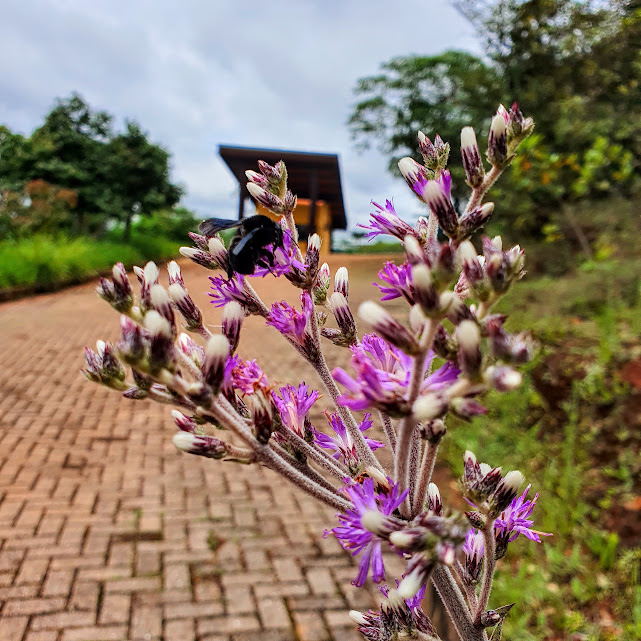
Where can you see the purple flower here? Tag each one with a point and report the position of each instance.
(386, 221)
(445, 180)
(342, 443)
(245, 376)
(293, 404)
(412, 602)
(474, 549)
(399, 282)
(364, 528)
(294, 324)
(232, 290)
(383, 376)
(285, 261)
(514, 520)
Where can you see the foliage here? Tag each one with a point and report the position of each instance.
(575, 67)
(438, 94)
(112, 176)
(46, 262)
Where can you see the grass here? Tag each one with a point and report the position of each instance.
(567, 428)
(45, 262)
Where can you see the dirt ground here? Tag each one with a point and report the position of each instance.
(108, 533)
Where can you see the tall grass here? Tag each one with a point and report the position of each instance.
(45, 262)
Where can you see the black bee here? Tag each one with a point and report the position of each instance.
(247, 247)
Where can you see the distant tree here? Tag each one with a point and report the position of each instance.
(436, 94)
(113, 176)
(138, 173)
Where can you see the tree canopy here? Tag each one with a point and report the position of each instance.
(112, 175)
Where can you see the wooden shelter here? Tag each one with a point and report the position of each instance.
(314, 178)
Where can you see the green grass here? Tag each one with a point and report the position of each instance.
(45, 262)
(565, 429)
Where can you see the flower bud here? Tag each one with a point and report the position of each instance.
(497, 141)
(189, 347)
(414, 174)
(341, 282)
(388, 327)
(444, 345)
(312, 257)
(342, 313)
(233, 316)
(257, 179)
(201, 445)
(322, 284)
(216, 355)
(122, 289)
(417, 575)
(186, 306)
(266, 198)
(425, 293)
(434, 503)
(467, 408)
(429, 407)
(218, 252)
(200, 257)
(505, 492)
(471, 155)
(503, 379)
(441, 207)
(175, 275)
(290, 201)
(474, 220)
(161, 302)
(413, 250)
(468, 337)
(433, 431)
(184, 423)
(199, 241)
(261, 409)
(161, 337)
(131, 345)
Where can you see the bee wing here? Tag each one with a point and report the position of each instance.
(212, 226)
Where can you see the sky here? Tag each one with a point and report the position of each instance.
(200, 73)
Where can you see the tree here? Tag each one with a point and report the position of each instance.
(139, 175)
(437, 94)
(113, 176)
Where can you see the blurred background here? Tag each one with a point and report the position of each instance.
(111, 115)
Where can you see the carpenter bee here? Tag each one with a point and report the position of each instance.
(247, 249)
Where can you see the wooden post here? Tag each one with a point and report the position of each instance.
(241, 202)
(313, 197)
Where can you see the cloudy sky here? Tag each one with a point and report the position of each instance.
(199, 73)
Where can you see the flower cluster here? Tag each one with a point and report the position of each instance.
(410, 373)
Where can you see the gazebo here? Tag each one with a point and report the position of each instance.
(314, 178)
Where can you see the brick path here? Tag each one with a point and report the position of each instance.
(108, 533)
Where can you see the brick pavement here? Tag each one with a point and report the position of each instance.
(108, 533)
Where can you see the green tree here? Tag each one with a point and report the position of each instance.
(138, 173)
(436, 94)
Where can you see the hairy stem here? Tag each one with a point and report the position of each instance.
(318, 456)
(388, 429)
(407, 425)
(489, 565)
(477, 194)
(221, 412)
(415, 457)
(470, 591)
(454, 603)
(365, 454)
(425, 476)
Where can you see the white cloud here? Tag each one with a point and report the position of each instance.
(201, 73)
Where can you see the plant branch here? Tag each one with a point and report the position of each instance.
(425, 476)
(388, 429)
(489, 566)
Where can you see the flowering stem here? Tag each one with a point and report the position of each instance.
(415, 456)
(470, 592)
(291, 226)
(489, 565)
(320, 457)
(388, 429)
(304, 468)
(479, 192)
(190, 365)
(204, 332)
(251, 292)
(425, 476)
(264, 453)
(407, 425)
(454, 603)
(320, 365)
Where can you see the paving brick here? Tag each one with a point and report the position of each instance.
(105, 528)
(12, 628)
